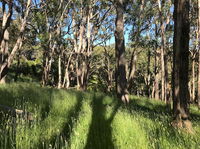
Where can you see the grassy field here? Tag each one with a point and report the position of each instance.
(89, 120)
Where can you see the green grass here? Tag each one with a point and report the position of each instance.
(76, 120)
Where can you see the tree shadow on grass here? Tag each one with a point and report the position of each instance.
(59, 141)
(32, 94)
(152, 111)
(161, 116)
(195, 117)
(100, 131)
(155, 111)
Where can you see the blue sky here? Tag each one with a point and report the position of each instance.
(112, 40)
(126, 36)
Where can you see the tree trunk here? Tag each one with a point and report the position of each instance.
(193, 80)
(9, 59)
(121, 81)
(156, 93)
(199, 53)
(49, 50)
(17, 73)
(132, 68)
(190, 88)
(147, 76)
(66, 81)
(84, 76)
(163, 82)
(59, 71)
(4, 54)
(163, 51)
(45, 67)
(148, 73)
(167, 85)
(4, 37)
(198, 94)
(109, 72)
(82, 69)
(180, 64)
(78, 71)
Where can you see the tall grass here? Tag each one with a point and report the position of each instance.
(89, 120)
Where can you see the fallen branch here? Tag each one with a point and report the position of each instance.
(16, 112)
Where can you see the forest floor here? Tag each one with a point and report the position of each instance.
(89, 120)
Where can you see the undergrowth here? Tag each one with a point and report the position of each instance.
(89, 120)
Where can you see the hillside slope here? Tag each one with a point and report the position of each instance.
(90, 120)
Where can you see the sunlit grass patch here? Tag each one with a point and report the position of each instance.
(80, 129)
(71, 119)
(127, 132)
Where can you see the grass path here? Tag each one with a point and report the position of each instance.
(100, 131)
(77, 120)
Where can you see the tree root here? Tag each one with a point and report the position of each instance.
(186, 125)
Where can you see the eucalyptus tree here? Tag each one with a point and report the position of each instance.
(87, 19)
(120, 74)
(198, 92)
(8, 8)
(181, 63)
(50, 22)
(193, 48)
(141, 20)
(164, 19)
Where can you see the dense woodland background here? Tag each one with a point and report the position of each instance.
(80, 44)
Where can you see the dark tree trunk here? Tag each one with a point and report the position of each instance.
(82, 69)
(180, 64)
(167, 85)
(198, 94)
(121, 81)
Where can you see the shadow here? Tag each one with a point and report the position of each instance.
(148, 109)
(195, 117)
(155, 111)
(15, 98)
(15, 95)
(161, 116)
(59, 141)
(42, 100)
(100, 131)
(46, 105)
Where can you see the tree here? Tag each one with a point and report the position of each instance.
(164, 71)
(199, 53)
(120, 78)
(7, 58)
(193, 49)
(87, 18)
(180, 64)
